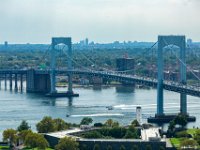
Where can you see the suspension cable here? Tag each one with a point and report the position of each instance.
(182, 61)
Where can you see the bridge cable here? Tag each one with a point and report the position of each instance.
(182, 61)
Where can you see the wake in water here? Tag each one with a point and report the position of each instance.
(98, 115)
(153, 106)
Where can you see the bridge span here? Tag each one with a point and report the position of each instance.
(130, 79)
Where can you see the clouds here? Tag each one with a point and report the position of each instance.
(101, 20)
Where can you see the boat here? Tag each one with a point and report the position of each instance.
(109, 107)
(67, 115)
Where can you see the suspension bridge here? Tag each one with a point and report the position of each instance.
(45, 80)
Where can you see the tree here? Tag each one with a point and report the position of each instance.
(171, 128)
(67, 143)
(122, 147)
(134, 147)
(111, 123)
(22, 134)
(10, 135)
(93, 135)
(96, 147)
(60, 124)
(135, 123)
(117, 132)
(181, 120)
(35, 140)
(23, 126)
(148, 147)
(86, 121)
(42, 142)
(98, 125)
(46, 125)
(109, 147)
(84, 147)
(172, 125)
(130, 135)
(161, 148)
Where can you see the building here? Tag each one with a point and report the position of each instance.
(126, 65)
(139, 114)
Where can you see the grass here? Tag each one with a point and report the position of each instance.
(4, 147)
(176, 142)
(192, 131)
(36, 149)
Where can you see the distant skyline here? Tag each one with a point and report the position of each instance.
(103, 21)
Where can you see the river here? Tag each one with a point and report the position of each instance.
(92, 102)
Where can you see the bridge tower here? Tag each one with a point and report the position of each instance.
(67, 42)
(164, 41)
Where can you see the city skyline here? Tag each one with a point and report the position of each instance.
(102, 21)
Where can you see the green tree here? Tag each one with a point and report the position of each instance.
(111, 123)
(67, 143)
(135, 123)
(60, 124)
(161, 148)
(84, 147)
(181, 120)
(93, 135)
(35, 140)
(23, 126)
(130, 135)
(118, 132)
(148, 147)
(122, 147)
(86, 121)
(42, 142)
(10, 135)
(22, 134)
(134, 147)
(109, 147)
(96, 147)
(46, 125)
(172, 125)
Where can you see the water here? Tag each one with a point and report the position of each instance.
(16, 106)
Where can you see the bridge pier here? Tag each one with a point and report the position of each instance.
(21, 82)
(183, 80)
(37, 83)
(0, 80)
(10, 80)
(5, 81)
(16, 85)
(164, 41)
(53, 92)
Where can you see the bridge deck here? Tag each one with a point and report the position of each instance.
(168, 85)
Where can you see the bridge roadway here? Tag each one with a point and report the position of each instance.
(168, 85)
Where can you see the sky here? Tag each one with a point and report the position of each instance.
(103, 21)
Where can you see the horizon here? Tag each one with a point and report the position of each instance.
(36, 21)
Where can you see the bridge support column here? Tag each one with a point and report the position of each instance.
(160, 96)
(5, 81)
(54, 93)
(16, 86)
(0, 81)
(183, 80)
(21, 82)
(10, 81)
(69, 64)
(53, 65)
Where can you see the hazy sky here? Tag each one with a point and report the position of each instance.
(36, 21)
